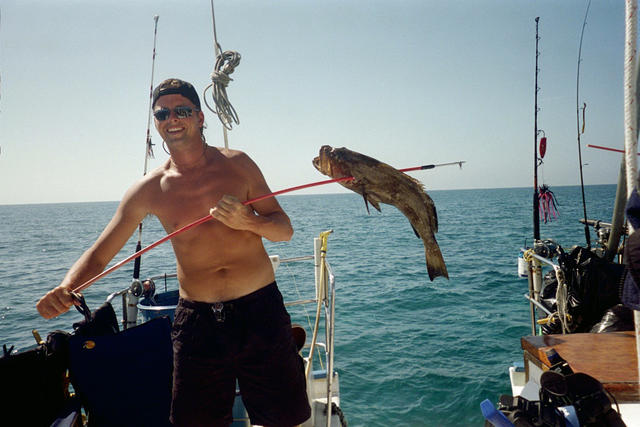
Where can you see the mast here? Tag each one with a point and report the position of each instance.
(536, 200)
(631, 118)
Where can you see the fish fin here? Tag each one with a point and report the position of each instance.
(375, 204)
(369, 198)
(416, 232)
(366, 203)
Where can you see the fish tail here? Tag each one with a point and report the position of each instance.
(435, 262)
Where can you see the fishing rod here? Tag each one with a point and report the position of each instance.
(584, 202)
(206, 218)
(148, 146)
(536, 196)
(149, 150)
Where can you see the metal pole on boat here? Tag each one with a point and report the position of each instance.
(532, 310)
(320, 251)
(631, 119)
(330, 340)
(536, 200)
(617, 219)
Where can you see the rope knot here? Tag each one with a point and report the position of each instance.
(221, 78)
(226, 64)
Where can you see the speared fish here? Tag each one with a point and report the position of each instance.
(378, 183)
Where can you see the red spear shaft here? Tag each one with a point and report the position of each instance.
(606, 148)
(209, 217)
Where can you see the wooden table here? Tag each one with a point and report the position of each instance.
(609, 357)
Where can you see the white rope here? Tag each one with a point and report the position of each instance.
(561, 299)
(226, 63)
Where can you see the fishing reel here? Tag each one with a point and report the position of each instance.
(146, 288)
(602, 229)
(546, 248)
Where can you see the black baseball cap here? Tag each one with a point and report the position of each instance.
(176, 86)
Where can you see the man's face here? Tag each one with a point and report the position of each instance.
(175, 129)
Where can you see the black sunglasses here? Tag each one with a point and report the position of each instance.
(182, 112)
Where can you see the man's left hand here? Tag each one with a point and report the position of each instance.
(232, 213)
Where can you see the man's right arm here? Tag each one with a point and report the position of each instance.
(93, 261)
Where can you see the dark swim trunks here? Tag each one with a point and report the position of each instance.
(248, 339)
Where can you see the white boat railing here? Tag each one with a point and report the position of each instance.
(534, 276)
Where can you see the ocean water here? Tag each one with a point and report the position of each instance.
(409, 352)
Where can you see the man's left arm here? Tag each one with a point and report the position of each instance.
(265, 218)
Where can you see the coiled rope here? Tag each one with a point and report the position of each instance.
(226, 63)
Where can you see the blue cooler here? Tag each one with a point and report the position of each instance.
(162, 304)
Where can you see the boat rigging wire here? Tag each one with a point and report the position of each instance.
(584, 202)
(248, 202)
(226, 63)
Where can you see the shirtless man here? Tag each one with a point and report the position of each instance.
(230, 322)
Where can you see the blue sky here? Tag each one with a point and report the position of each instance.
(409, 82)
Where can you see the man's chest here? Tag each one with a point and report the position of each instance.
(181, 201)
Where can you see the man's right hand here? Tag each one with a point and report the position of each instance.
(55, 302)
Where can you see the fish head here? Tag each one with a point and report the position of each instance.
(330, 162)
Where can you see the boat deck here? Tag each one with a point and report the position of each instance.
(609, 357)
